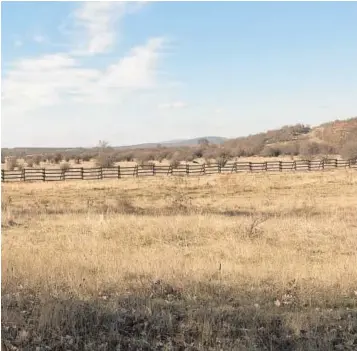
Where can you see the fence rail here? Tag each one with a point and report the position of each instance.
(48, 174)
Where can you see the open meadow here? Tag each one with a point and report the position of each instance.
(241, 261)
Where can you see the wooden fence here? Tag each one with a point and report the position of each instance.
(47, 174)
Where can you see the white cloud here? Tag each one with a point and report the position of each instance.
(172, 105)
(65, 88)
(56, 78)
(97, 23)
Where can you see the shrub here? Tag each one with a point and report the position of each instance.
(289, 149)
(37, 160)
(222, 161)
(11, 163)
(86, 157)
(312, 148)
(57, 158)
(175, 163)
(189, 158)
(67, 158)
(104, 160)
(77, 160)
(20, 165)
(349, 150)
(64, 167)
(198, 153)
(29, 162)
(270, 151)
(128, 156)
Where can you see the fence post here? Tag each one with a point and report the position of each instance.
(336, 164)
(2, 175)
(349, 163)
(294, 165)
(250, 166)
(187, 169)
(280, 166)
(82, 173)
(323, 164)
(24, 174)
(101, 172)
(137, 171)
(153, 169)
(118, 171)
(43, 174)
(309, 165)
(266, 166)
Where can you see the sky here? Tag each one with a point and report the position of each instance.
(74, 73)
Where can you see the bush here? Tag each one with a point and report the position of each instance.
(128, 156)
(312, 148)
(29, 162)
(77, 160)
(11, 163)
(57, 158)
(20, 165)
(86, 157)
(289, 149)
(270, 151)
(105, 160)
(67, 158)
(349, 150)
(37, 160)
(65, 167)
(189, 158)
(175, 163)
(198, 153)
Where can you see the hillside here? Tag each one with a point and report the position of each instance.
(337, 137)
(298, 139)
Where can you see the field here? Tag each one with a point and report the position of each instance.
(226, 262)
(92, 163)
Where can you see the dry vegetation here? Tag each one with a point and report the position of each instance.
(334, 139)
(235, 262)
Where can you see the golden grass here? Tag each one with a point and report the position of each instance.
(283, 243)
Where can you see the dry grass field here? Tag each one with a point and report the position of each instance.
(92, 163)
(229, 262)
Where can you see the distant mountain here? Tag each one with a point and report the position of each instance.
(176, 143)
(195, 141)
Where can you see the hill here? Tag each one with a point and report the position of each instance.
(301, 139)
(336, 137)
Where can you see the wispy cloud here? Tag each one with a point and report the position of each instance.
(67, 81)
(53, 78)
(172, 105)
(96, 23)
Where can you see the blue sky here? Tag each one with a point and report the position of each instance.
(74, 73)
